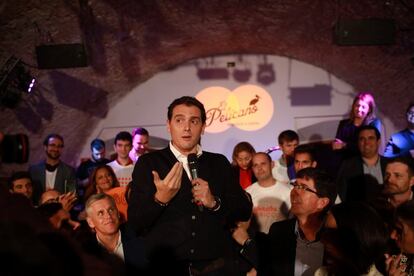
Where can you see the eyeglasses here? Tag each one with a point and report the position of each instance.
(410, 113)
(302, 187)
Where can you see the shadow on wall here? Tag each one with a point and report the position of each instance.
(93, 33)
(79, 95)
(318, 132)
(319, 94)
(32, 109)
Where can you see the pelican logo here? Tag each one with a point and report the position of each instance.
(248, 107)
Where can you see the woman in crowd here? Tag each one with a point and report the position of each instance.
(242, 164)
(362, 113)
(355, 241)
(403, 234)
(101, 180)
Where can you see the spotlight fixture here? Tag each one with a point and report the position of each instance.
(210, 71)
(14, 79)
(265, 73)
(243, 72)
(25, 81)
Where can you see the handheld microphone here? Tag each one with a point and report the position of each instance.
(193, 166)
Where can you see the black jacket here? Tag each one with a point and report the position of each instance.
(180, 230)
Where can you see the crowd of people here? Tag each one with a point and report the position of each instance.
(186, 211)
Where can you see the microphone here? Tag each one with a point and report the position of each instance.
(193, 166)
(272, 149)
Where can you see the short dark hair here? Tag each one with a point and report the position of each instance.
(124, 136)
(140, 131)
(97, 144)
(324, 184)
(188, 101)
(369, 127)
(287, 136)
(305, 149)
(18, 175)
(408, 161)
(52, 135)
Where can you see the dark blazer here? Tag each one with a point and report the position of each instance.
(353, 184)
(281, 249)
(134, 262)
(180, 230)
(65, 174)
(348, 133)
(134, 255)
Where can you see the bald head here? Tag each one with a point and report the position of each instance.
(49, 196)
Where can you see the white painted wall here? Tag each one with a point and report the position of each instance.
(146, 105)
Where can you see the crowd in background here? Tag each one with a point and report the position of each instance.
(345, 208)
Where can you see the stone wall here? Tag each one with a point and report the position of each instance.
(130, 41)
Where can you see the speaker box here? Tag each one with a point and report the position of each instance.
(61, 56)
(365, 32)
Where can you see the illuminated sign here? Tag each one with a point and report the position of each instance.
(248, 107)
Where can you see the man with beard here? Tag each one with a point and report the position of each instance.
(97, 158)
(399, 180)
(52, 173)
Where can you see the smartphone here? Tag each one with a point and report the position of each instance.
(70, 186)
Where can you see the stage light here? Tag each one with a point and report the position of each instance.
(208, 69)
(212, 73)
(25, 81)
(266, 74)
(14, 79)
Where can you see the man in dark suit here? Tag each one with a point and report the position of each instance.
(103, 217)
(52, 173)
(182, 216)
(294, 247)
(360, 177)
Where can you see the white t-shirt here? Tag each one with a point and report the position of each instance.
(50, 179)
(279, 171)
(123, 173)
(270, 204)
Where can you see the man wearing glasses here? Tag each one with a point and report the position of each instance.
(52, 173)
(294, 246)
(402, 142)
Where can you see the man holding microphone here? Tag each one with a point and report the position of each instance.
(181, 212)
